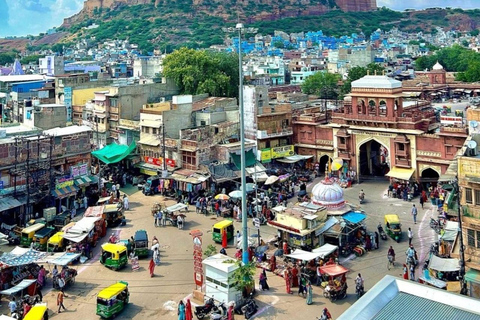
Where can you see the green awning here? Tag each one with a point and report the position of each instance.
(472, 275)
(114, 153)
(249, 159)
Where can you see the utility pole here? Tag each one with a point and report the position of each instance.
(463, 285)
(27, 176)
(163, 146)
(96, 130)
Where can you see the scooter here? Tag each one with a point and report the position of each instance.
(250, 308)
(359, 290)
(381, 232)
(202, 311)
(219, 312)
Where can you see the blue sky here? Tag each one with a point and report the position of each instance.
(23, 17)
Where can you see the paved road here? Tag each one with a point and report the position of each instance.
(154, 297)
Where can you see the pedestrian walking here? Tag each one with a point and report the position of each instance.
(188, 310)
(156, 255)
(414, 214)
(181, 310)
(164, 219)
(12, 306)
(126, 204)
(309, 293)
(263, 281)
(159, 218)
(410, 236)
(198, 206)
(412, 272)
(405, 272)
(231, 311)
(421, 201)
(60, 297)
(288, 280)
(151, 268)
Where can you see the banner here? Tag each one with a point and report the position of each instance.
(284, 151)
(266, 155)
(79, 170)
(159, 161)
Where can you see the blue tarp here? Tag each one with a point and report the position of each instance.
(66, 259)
(20, 256)
(354, 217)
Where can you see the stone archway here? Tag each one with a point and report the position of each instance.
(373, 158)
(429, 175)
(323, 161)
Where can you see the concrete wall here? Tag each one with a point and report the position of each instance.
(50, 117)
(81, 96)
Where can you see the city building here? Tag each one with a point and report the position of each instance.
(52, 65)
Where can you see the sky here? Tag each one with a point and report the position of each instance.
(24, 17)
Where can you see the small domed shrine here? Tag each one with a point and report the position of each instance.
(329, 194)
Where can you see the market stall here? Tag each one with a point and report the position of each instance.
(18, 265)
(325, 251)
(173, 212)
(441, 273)
(66, 275)
(83, 230)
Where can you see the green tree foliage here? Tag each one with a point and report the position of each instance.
(200, 71)
(33, 58)
(356, 73)
(7, 57)
(322, 84)
(453, 59)
(243, 277)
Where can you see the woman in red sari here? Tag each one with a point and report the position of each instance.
(188, 310)
(405, 272)
(295, 276)
(151, 267)
(288, 280)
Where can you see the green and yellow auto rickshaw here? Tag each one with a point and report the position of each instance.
(393, 227)
(114, 256)
(40, 238)
(56, 242)
(112, 300)
(218, 228)
(113, 214)
(141, 244)
(28, 233)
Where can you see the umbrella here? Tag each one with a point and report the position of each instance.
(235, 194)
(271, 180)
(250, 187)
(222, 196)
(337, 164)
(278, 253)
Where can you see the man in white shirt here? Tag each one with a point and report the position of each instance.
(410, 236)
(12, 306)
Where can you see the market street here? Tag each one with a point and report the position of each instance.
(157, 297)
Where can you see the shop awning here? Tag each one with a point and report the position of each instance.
(9, 203)
(444, 265)
(325, 250)
(24, 284)
(400, 173)
(85, 181)
(472, 275)
(150, 141)
(299, 254)
(249, 159)
(148, 169)
(64, 192)
(354, 217)
(294, 159)
(20, 256)
(328, 224)
(65, 259)
(114, 153)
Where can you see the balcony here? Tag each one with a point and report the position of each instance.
(114, 110)
(263, 134)
(402, 162)
(189, 145)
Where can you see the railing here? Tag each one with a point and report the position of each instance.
(454, 130)
(262, 134)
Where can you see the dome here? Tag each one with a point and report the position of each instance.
(437, 66)
(328, 194)
(376, 82)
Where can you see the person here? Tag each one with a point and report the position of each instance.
(60, 297)
(414, 214)
(412, 272)
(12, 306)
(73, 213)
(113, 238)
(54, 272)
(309, 293)
(391, 253)
(359, 281)
(154, 240)
(85, 202)
(361, 195)
(180, 222)
(158, 218)
(263, 281)
(26, 308)
(405, 272)
(422, 201)
(239, 237)
(231, 312)
(273, 263)
(156, 256)
(198, 206)
(217, 208)
(188, 310)
(151, 267)
(164, 220)
(302, 285)
(295, 275)
(288, 280)
(125, 202)
(181, 310)
(325, 315)
(41, 277)
(114, 188)
(410, 236)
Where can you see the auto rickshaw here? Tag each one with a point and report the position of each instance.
(393, 227)
(28, 233)
(114, 256)
(113, 214)
(40, 238)
(61, 220)
(112, 300)
(56, 242)
(218, 228)
(38, 312)
(141, 243)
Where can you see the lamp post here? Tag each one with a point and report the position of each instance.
(241, 30)
(463, 285)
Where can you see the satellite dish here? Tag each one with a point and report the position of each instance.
(474, 123)
(472, 144)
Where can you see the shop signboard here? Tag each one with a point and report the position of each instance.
(197, 257)
(79, 170)
(64, 182)
(266, 155)
(159, 161)
(281, 152)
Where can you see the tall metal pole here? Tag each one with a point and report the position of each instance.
(163, 146)
(27, 207)
(463, 285)
(245, 259)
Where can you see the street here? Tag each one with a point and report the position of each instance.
(157, 297)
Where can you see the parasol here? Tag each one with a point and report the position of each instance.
(250, 187)
(235, 194)
(271, 180)
(337, 164)
(222, 196)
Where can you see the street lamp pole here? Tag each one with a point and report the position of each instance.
(463, 285)
(240, 29)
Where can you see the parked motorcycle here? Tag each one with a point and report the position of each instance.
(346, 250)
(206, 309)
(381, 232)
(250, 308)
(219, 312)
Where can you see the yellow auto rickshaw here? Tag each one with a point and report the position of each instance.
(112, 300)
(40, 239)
(218, 228)
(38, 312)
(56, 242)
(393, 227)
(114, 256)
(28, 233)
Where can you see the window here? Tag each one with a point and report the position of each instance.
(189, 158)
(147, 130)
(401, 147)
(477, 197)
(478, 238)
(154, 130)
(473, 238)
(342, 140)
(468, 195)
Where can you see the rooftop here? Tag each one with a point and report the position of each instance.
(377, 82)
(67, 130)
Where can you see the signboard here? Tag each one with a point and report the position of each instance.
(280, 152)
(197, 257)
(256, 223)
(79, 170)
(64, 182)
(451, 120)
(266, 155)
(159, 161)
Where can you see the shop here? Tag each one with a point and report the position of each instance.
(472, 277)
(65, 193)
(17, 265)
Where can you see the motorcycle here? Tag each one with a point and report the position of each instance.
(436, 225)
(381, 232)
(359, 290)
(219, 312)
(346, 250)
(207, 308)
(250, 308)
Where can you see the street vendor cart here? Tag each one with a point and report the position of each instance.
(66, 275)
(173, 212)
(335, 281)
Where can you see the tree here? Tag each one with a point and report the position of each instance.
(322, 84)
(200, 71)
(356, 73)
(6, 57)
(243, 277)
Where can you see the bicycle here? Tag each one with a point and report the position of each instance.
(391, 262)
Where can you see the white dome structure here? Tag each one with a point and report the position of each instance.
(328, 194)
(437, 66)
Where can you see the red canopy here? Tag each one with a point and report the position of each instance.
(333, 270)
(96, 211)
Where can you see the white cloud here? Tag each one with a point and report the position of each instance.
(422, 4)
